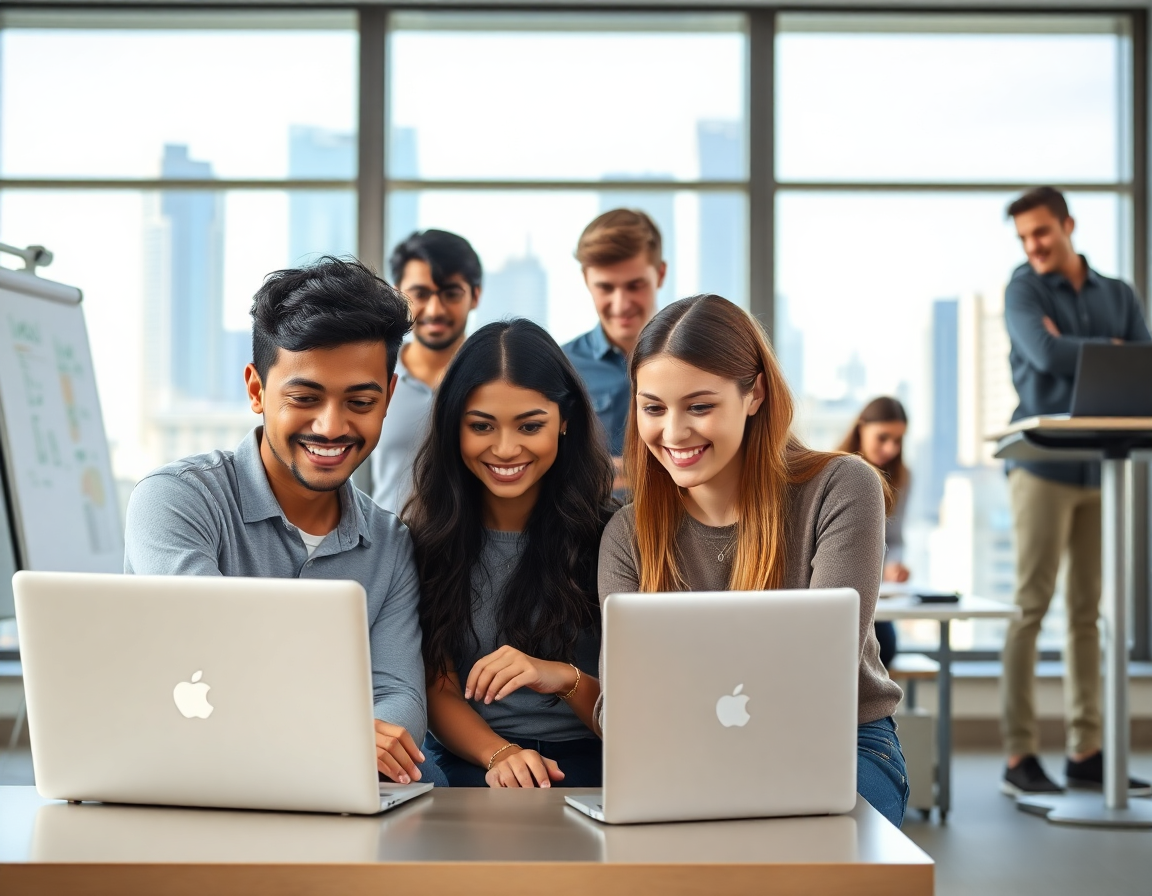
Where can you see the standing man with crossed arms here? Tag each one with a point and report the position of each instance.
(1054, 304)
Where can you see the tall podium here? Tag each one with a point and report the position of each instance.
(1112, 441)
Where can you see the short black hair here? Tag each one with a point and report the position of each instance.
(446, 254)
(1046, 197)
(331, 302)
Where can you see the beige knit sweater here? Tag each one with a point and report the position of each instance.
(835, 540)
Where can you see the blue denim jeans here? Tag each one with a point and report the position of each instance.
(581, 761)
(881, 777)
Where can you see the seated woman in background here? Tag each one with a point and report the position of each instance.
(512, 490)
(725, 497)
(878, 437)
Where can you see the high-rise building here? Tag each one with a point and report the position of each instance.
(192, 364)
(788, 343)
(660, 207)
(320, 222)
(986, 395)
(723, 249)
(518, 289)
(943, 456)
(186, 241)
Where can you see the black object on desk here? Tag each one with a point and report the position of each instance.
(938, 597)
(1113, 381)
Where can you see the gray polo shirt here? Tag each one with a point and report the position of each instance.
(404, 429)
(215, 515)
(1044, 366)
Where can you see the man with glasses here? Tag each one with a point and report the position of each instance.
(440, 274)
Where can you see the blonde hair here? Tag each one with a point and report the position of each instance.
(714, 335)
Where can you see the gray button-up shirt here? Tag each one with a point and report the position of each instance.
(1044, 366)
(215, 515)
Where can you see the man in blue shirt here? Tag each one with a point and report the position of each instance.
(1054, 304)
(324, 341)
(621, 258)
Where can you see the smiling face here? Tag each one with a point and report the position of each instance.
(439, 312)
(880, 443)
(1047, 240)
(509, 438)
(691, 420)
(322, 412)
(625, 296)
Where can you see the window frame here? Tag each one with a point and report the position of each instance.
(372, 186)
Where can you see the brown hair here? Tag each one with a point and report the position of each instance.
(618, 235)
(714, 335)
(1046, 197)
(881, 410)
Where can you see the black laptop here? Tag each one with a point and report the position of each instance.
(1113, 381)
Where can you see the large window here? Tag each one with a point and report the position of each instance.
(856, 189)
(557, 118)
(893, 136)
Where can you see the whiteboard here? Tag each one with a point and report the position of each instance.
(56, 462)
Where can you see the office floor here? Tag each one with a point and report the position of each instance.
(987, 847)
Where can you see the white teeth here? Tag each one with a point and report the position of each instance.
(507, 471)
(326, 452)
(685, 455)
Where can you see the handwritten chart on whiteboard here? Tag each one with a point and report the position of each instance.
(55, 451)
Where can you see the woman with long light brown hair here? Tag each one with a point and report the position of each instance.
(725, 497)
(878, 437)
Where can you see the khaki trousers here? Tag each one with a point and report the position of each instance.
(1051, 518)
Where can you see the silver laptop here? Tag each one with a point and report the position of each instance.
(728, 705)
(196, 691)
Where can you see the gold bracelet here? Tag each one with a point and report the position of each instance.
(573, 691)
(498, 752)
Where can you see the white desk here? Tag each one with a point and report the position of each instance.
(1112, 441)
(455, 840)
(896, 603)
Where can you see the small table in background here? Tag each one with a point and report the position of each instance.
(898, 603)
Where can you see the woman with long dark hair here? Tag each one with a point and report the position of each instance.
(512, 491)
(725, 497)
(878, 437)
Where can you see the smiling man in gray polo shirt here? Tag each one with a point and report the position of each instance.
(324, 343)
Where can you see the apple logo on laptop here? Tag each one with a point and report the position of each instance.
(192, 698)
(730, 709)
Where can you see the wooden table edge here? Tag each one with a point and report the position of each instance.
(475, 878)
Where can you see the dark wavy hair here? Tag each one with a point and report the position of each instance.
(333, 302)
(551, 595)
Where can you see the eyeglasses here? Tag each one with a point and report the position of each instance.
(449, 295)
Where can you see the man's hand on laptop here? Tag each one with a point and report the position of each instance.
(523, 768)
(397, 754)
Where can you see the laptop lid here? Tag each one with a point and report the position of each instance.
(199, 691)
(1113, 381)
(730, 704)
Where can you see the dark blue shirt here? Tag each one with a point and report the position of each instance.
(604, 369)
(1043, 365)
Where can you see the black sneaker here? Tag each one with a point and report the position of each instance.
(1028, 777)
(1089, 774)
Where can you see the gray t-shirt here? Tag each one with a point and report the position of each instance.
(523, 713)
(835, 540)
(404, 429)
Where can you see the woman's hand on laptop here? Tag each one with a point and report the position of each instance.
(523, 768)
(396, 753)
(507, 669)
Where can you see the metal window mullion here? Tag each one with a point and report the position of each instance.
(370, 158)
(761, 73)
